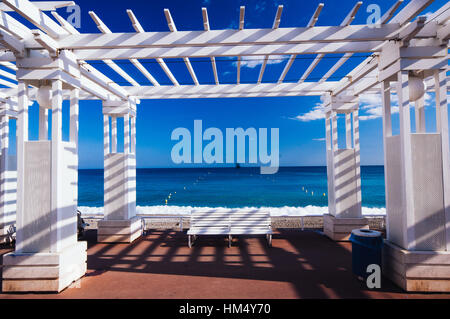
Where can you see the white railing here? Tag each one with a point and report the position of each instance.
(180, 218)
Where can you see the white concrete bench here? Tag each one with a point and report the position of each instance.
(229, 223)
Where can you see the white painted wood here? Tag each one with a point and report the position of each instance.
(161, 62)
(348, 130)
(11, 43)
(126, 133)
(419, 109)
(56, 162)
(43, 123)
(133, 135)
(227, 50)
(410, 11)
(276, 24)
(440, 79)
(219, 38)
(406, 158)
(231, 222)
(11, 25)
(213, 59)
(22, 137)
(241, 27)
(113, 134)
(357, 148)
(32, 13)
(74, 117)
(106, 135)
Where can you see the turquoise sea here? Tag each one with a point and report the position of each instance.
(292, 191)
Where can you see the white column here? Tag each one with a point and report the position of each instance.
(334, 133)
(357, 158)
(328, 131)
(56, 158)
(22, 137)
(105, 135)
(5, 219)
(133, 134)
(333, 154)
(440, 78)
(348, 130)
(406, 158)
(387, 132)
(74, 117)
(126, 134)
(386, 101)
(43, 123)
(419, 111)
(113, 134)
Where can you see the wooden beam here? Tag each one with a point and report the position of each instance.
(104, 29)
(187, 62)
(12, 26)
(11, 43)
(226, 51)
(312, 22)
(216, 38)
(32, 13)
(43, 5)
(213, 59)
(231, 90)
(346, 56)
(345, 23)
(138, 27)
(276, 24)
(241, 27)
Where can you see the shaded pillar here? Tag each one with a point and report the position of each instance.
(416, 254)
(120, 223)
(344, 174)
(8, 176)
(47, 256)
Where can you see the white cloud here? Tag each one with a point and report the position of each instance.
(370, 108)
(317, 113)
(254, 61)
(319, 139)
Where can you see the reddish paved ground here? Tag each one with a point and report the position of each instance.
(299, 265)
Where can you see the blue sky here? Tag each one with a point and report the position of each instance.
(301, 130)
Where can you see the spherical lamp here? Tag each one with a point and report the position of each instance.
(417, 88)
(44, 97)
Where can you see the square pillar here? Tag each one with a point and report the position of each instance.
(416, 254)
(343, 171)
(120, 223)
(48, 256)
(8, 177)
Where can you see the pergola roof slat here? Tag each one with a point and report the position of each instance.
(276, 24)
(345, 39)
(104, 29)
(186, 60)
(138, 27)
(213, 59)
(241, 27)
(312, 22)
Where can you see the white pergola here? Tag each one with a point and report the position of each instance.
(50, 65)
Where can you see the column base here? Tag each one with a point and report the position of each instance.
(44, 272)
(417, 271)
(340, 229)
(119, 231)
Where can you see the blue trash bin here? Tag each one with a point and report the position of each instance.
(366, 250)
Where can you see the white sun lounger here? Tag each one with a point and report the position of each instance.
(223, 222)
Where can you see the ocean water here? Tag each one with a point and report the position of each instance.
(293, 191)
